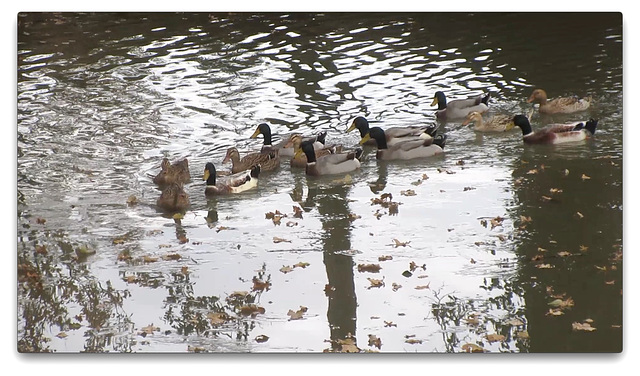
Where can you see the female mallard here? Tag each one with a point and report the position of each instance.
(173, 173)
(497, 123)
(267, 161)
(410, 149)
(235, 183)
(393, 134)
(561, 105)
(284, 147)
(338, 163)
(459, 108)
(300, 159)
(173, 198)
(555, 133)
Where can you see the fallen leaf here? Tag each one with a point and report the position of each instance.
(291, 223)
(221, 228)
(610, 282)
(522, 335)
(371, 268)
(524, 219)
(472, 261)
(375, 282)
(413, 341)
(413, 266)
(260, 285)
(149, 259)
(132, 200)
(564, 254)
(554, 312)
(389, 324)
(545, 266)
(555, 190)
(562, 304)
(497, 221)
(286, 269)
(171, 256)
(297, 315)
(251, 310)
(149, 329)
(196, 349)
(280, 240)
(62, 335)
(546, 198)
(41, 221)
(468, 189)
(348, 345)
(495, 337)
(395, 287)
(472, 348)
(585, 177)
(352, 217)
(515, 322)
(566, 172)
(385, 258)
(582, 326)
(297, 212)
(532, 172)
(408, 192)
(398, 243)
(41, 249)
(261, 338)
(375, 341)
(301, 265)
(579, 215)
(218, 318)
(424, 287)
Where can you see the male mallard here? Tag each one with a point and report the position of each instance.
(561, 105)
(393, 134)
(410, 149)
(497, 123)
(173, 173)
(459, 108)
(235, 183)
(300, 159)
(284, 147)
(173, 198)
(555, 133)
(338, 163)
(267, 161)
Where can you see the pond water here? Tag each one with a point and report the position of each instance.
(494, 246)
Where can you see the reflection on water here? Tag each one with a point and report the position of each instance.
(505, 246)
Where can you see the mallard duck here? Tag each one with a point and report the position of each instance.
(173, 173)
(555, 133)
(561, 105)
(410, 149)
(393, 134)
(459, 108)
(300, 159)
(267, 161)
(173, 198)
(497, 123)
(337, 163)
(285, 147)
(235, 183)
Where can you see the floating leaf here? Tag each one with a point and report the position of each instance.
(297, 212)
(375, 341)
(495, 337)
(424, 287)
(251, 310)
(566, 172)
(585, 177)
(564, 254)
(545, 266)
(41, 221)
(522, 335)
(395, 287)
(218, 318)
(385, 258)
(149, 329)
(389, 324)
(468, 189)
(398, 243)
(280, 240)
(408, 192)
(554, 312)
(579, 215)
(261, 338)
(301, 265)
(286, 269)
(171, 256)
(497, 221)
(555, 190)
(562, 304)
(352, 217)
(132, 200)
(297, 315)
(62, 335)
(371, 268)
(413, 266)
(413, 341)
(472, 348)
(582, 326)
(291, 223)
(532, 172)
(221, 228)
(375, 282)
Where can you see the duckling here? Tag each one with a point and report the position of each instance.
(555, 133)
(284, 147)
(235, 183)
(300, 161)
(173, 173)
(393, 134)
(267, 161)
(338, 163)
(411, 149)
(459, 108)
(174, 198)
(561, 105)
(497, 123)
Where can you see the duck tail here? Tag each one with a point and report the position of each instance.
(591, 125)
(486, 98)
(440, 140)
(255, 171)
(321, 137)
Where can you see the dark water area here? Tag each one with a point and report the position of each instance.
(499, 247)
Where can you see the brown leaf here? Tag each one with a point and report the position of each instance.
(371, 268)
(375, 282)
(149, 259)
(424, 287)
(220, 228)
(385, 258)
(301, 265)
(171, 256)
(62, 335)
(41, 249)
(280, 240)
(413, 341)
(554, 312)
(132, 200)
(291, 223)
(251, 310)
(286, 269)
(260, 285)
(522, 335)
(497, 221)
(375, 341)
(297, 212)
(150, 329)
(582, 326)
(261, 338)
(41, 221)
(408, 192)
(585, 177)
(472, 348)
(495, 337)
(555, 190)
(218, 318)
(395, 287)
(545, 266)
(398, 243)
(389, 324)
(297, 315)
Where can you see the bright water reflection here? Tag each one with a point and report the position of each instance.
(102, 98)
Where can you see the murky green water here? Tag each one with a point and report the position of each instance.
(102, 98)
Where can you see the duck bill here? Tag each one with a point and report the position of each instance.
(531, 99)
(226, 159)
(435, 101)
(256, 133)
(365, 138)
(352, 127)
(466, 122)
(206, 175)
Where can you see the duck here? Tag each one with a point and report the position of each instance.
(268, 161)
(331, 164)
(410, 149)
(459, 108)
(173, 173)
(560, 105)
(555, 133)
(285, 147)
(393, 134)
(230, 184)
(174, 198)
(300, 161)
(496, 123)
